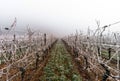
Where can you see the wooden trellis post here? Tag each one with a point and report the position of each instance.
(45, 39)
(14, 38)
(109, 53)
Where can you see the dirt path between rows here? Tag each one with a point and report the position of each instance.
(60, 66)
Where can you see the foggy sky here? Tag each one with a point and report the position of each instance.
(59, 17)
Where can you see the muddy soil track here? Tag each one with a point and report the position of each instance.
(83, 73)
(39, 72)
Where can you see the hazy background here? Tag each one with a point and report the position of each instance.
(60, 17)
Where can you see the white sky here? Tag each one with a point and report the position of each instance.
(60, 17)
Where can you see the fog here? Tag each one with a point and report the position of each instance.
(59, 17)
